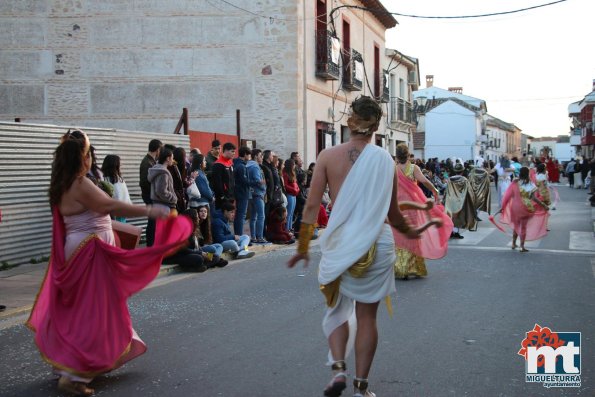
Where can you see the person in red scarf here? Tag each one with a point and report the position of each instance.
(222, 176)
(553, 173)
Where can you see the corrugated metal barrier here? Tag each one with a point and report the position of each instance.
(26, 152)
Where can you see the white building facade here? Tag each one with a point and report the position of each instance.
(403, 79)
(452, 124)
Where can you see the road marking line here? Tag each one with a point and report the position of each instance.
(472, 238)
(581, 241)
(536, 250)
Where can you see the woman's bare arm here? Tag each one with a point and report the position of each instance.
(95, 199)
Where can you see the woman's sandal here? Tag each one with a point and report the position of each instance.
(514, 246)
(361, 388)
(76, 388)
(339, 381)
(524, 250)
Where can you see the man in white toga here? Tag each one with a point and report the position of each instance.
(358, 251)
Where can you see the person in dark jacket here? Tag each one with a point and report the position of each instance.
(241, 188)
(149, 161)
(222, 178)
(302, 181)
(212, 156)
(272, 179)
(276, 226)
(162, 184)
(180, 176)
(222, 234)
(258, 191)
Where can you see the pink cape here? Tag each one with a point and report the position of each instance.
(515, 215)
(80, 317)
(433, 243)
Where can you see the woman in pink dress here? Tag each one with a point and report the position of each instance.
(523, 212)
(80, 318)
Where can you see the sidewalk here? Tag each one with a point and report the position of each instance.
(19, 286)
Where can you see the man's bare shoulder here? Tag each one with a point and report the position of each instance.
(343, 152)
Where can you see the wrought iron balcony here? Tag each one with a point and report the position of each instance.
(353, 71)
(385, 97)
(327, 55)
(400, 111)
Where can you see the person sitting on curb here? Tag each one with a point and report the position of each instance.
(276, 226)
(212, 258)
(222, 234)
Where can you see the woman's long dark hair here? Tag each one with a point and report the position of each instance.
(180, 157)
(111, 168)
(193, 215)
(524, 175)
(67, 166)
(94, 167)
(204, 227)
(197, 161)
(289, 169)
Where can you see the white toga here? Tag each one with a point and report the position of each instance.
(356, 223)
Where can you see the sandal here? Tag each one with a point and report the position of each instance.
(524, 250)
(514, 246)
(361, 388)
(339, 381)
(76, 388)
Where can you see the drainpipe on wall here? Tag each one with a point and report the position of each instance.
(305, 133)
(238, 128)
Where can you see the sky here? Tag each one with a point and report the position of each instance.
(527, 66)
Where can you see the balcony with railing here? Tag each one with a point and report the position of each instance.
(353, 71)
(328, 51)
(385, 97)
(400, 111)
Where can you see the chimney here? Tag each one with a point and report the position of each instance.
(429, 80)
(458, 90)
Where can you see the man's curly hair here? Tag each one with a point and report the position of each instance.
(366, 115)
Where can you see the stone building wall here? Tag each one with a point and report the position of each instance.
(135, 64)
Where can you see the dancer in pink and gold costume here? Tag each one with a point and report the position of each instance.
(80, 318)
(523, 212)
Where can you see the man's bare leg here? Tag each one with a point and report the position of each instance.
(337, 341)
(366, 340)
(338, 344)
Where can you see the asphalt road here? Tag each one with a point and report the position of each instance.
(253, 328)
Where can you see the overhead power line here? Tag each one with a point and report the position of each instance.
(384, 11)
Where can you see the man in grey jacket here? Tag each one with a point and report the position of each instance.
(162, 183)
(570, 172)
(149, 161)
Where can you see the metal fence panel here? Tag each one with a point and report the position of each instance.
(26, 152)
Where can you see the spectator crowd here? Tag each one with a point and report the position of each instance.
(240, 197)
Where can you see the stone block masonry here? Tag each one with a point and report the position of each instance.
(135, 64)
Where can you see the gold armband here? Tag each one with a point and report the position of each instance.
(306, 233)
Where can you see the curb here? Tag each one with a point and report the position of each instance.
(15, 312)
(165, 270)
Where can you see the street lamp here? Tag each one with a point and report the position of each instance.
(421, 102)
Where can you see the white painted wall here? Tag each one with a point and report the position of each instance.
(451, 131)
(564, 151)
